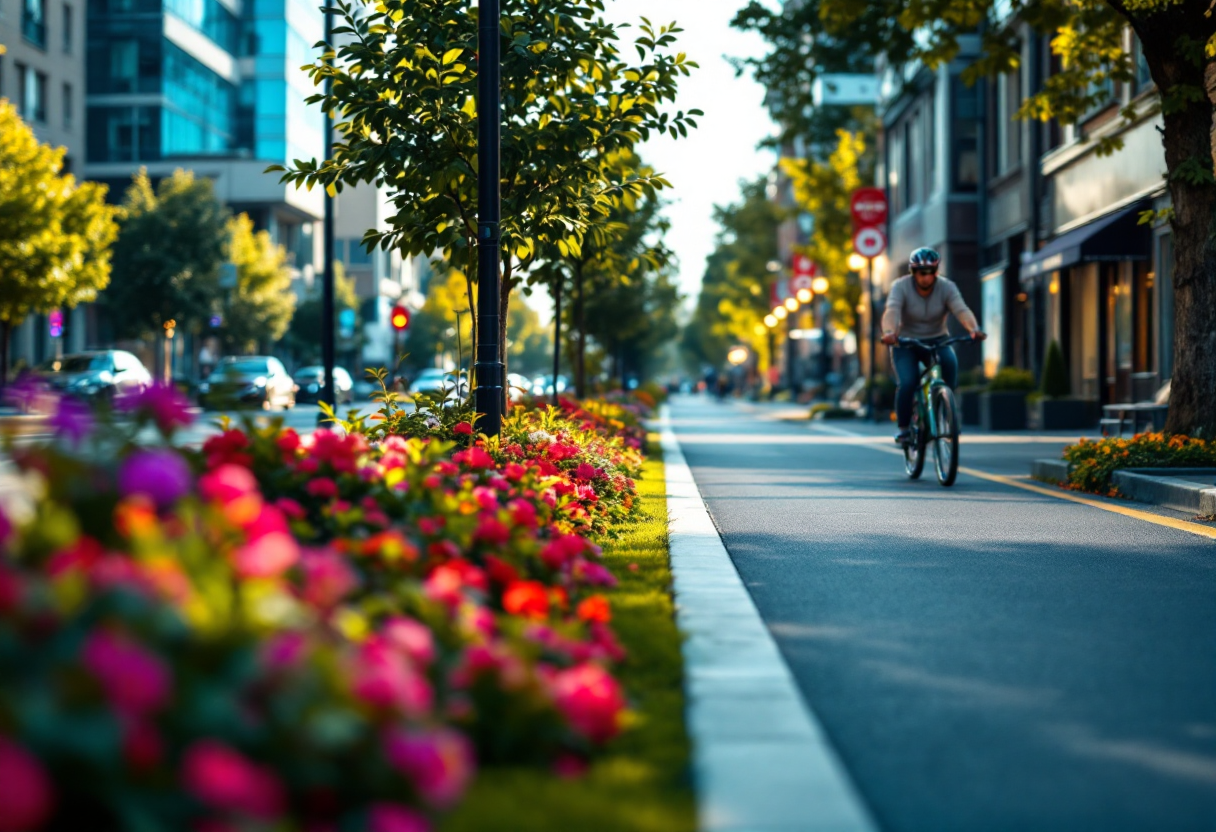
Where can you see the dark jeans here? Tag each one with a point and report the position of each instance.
(907, 361)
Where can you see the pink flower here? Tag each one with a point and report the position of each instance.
(327, 578)
(157, 473)
(266, 557)
(492, 531)
(562, 550)
(224, 779)
(383, 678)
(439, 761)
(389, 817)
(322, 487)
(164, 403)
(474, 458)
(445, 586)
(284, 650)
(590, 699)
(73, 420)
(586, 471)
(290, 508)
(227, 483)
(135, 680)
(523, 513)
(25, 790)
(411, 637)
(463, 429)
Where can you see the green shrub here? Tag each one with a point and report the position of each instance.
(1011, 380)
(1056, 384)
(972, 379)
(1094, 463)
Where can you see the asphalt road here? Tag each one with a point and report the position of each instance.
(984, 658)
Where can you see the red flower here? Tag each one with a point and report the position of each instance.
(25, 790)
(288, 442)
(322, 487)
(591, 700)
(224, 779)
(500, 572)
(527, 599)
(492, 531)
(227, 448)
(595, 608)
(463, 429)
(474, 458)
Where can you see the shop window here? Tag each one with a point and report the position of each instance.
(68, 23)
(33, 22)
(965, 175)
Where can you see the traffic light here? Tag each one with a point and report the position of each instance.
(400, 318)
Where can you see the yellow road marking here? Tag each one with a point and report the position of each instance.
(1169, 522)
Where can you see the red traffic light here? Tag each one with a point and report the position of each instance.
(400, 318)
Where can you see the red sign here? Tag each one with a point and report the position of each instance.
(804, 266)
(869, 242)
(869, 207)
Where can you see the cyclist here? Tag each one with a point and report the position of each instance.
(918, 307)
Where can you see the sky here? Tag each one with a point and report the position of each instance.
(705, 168)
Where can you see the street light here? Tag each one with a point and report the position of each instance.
(820, 285)
(770, 321)
(779, 313)
(737, 356)
(856, 262)
(791, 304)
(805, 295)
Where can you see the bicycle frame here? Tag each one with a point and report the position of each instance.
(930, 378)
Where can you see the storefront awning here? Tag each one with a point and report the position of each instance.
(1114, 237)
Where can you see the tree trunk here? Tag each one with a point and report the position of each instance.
(1188, 139)
(557, 333)
(504, 304)
(580, 323)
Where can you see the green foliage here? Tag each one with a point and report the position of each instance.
(260, 308)
(1056, 384)
(1011, 380)
(446, 307)
(55, 234)
(1094, 463)
(171, 244)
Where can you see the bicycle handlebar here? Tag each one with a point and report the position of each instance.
(916, 342)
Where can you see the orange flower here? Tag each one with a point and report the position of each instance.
(595, 608)
(526, 599)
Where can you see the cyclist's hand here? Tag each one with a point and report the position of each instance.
(890, 339)
(978, 335)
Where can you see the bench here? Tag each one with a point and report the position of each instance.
(1148, 415)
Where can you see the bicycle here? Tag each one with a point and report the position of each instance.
(934, 417)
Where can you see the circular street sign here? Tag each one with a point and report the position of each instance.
(869, 207)
(869, 242)
(804, 265)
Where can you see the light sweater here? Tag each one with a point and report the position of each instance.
(913, 315)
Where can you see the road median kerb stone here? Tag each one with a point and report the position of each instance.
(761, 761)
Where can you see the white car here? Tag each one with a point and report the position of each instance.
(433, 382)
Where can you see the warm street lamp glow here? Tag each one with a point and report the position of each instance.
(820, 285)
(856, 262)
(737, 355)
(770, 321)
(779, 313)
(804, 296)
(773, 266)
(791, 304)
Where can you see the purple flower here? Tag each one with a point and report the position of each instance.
(73, 420)
(164, 403)
(158, 473)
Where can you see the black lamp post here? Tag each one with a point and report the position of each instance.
(488, 368)
(328, 315)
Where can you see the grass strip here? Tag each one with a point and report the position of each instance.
(642, 783)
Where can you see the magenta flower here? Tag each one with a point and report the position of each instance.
(224, 779)
(157, 473)
(270, 550)
(389, 817)
(322, 487)
(135, 680)
(73, 420)
(414, 639)
(284, 650)
(327, 578)
(227, 483)
(439, 761)
(25, 790)
(384, 678)
(590, 699)
(163, 403)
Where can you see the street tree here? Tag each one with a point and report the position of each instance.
(259, 309)
(403, 99)
(55, 233)
(1088, 38)
(303, 336)
(171, 243)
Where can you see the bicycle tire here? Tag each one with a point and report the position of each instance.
(945, 443)
(914, 450)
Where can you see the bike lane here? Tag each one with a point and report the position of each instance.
(982, 657)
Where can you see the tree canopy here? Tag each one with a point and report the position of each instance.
(259, 309)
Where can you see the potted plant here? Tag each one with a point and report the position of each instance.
(1003, 404)
(970, 386)
(1053, 408)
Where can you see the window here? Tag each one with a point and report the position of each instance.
(916, 160)
(965, 128)
(33, 22)
(1142, 78)
(123, 134)
(67, 107)
(359, 255)
(31, 94)
(67, 29)
(897, 176)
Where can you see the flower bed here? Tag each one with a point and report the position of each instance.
(1094, 463)
(323, 632)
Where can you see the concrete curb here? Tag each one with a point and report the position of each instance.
(1054, 471)
(1162, 486)
(760, 758)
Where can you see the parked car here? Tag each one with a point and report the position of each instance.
(248, 380)
(98, 375)
(311, 380)
(433, 381)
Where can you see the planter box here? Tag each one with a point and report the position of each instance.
(969, 404)
(1003, 410)
(1064, 414)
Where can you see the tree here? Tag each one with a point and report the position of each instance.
(171, 243)
(529, 343)
(55, 234)
(1178, 42)
(303, 336)
(403, 98)
(444, 310)
(260, 308)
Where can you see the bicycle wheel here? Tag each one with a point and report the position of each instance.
(914, 448)
(945, 443)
